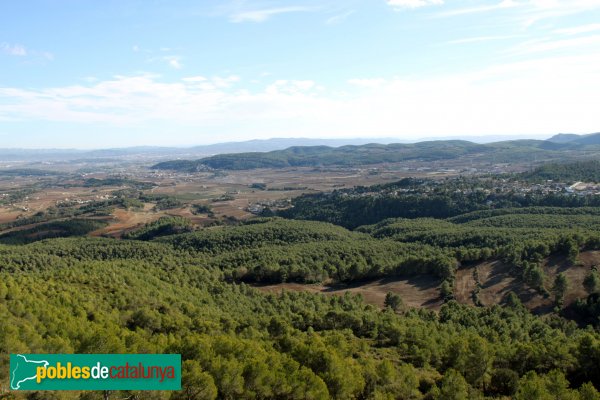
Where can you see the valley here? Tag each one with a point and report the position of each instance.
(312, 274)
(300, 200)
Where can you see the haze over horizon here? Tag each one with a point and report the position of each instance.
(174, 73)
(302, 141)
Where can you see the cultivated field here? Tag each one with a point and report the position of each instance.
(229, 194)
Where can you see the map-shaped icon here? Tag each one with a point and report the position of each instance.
(24, 370)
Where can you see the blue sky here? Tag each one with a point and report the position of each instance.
(108, 73)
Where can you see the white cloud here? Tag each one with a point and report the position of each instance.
(173, 61)
(211, 84)
(13, 49)
(18, 50)
(370, 83)
(227, 82)
(290, 86)
(263, 15)
(541, 96)
(400, 4)
(195, 79)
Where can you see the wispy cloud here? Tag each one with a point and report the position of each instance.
(13, 49)
(155, 56)
(540, 10)
(547, 45)
(47, 55)
(336, 19)
(576, 30)
(530, 11)
(19, 50)
(504, 4)
(477, 39)
(524, 14)
(404, 4)
(262, 15)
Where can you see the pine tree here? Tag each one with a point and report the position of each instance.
(559, 288)
(393, 301)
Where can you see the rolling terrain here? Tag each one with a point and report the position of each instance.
(371, 154)
(494, 280)
(319, 283)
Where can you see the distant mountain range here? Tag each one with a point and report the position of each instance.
(557, 148)
(262, 145)
(213, 154)
(176, 152)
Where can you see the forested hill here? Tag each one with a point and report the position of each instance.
(593, 138)
(418, 198)
(168, 288)
(108, 296)
(586, 171)
(324, 155)
(312, 156)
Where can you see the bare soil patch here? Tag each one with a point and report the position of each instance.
(9, 214)
(495, 278)
(420, 291)
(464, 285)
(575, 273)
(125, 220)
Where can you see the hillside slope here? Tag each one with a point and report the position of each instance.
(368, 154)
(108, 296)
(592, 138)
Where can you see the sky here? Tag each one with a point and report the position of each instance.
(116, 73)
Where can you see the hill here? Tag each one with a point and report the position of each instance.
(421, 198)
(174, 295)
(369, 154)
(328, 156)
(592, 138)
(586, 171)
(263, 145)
